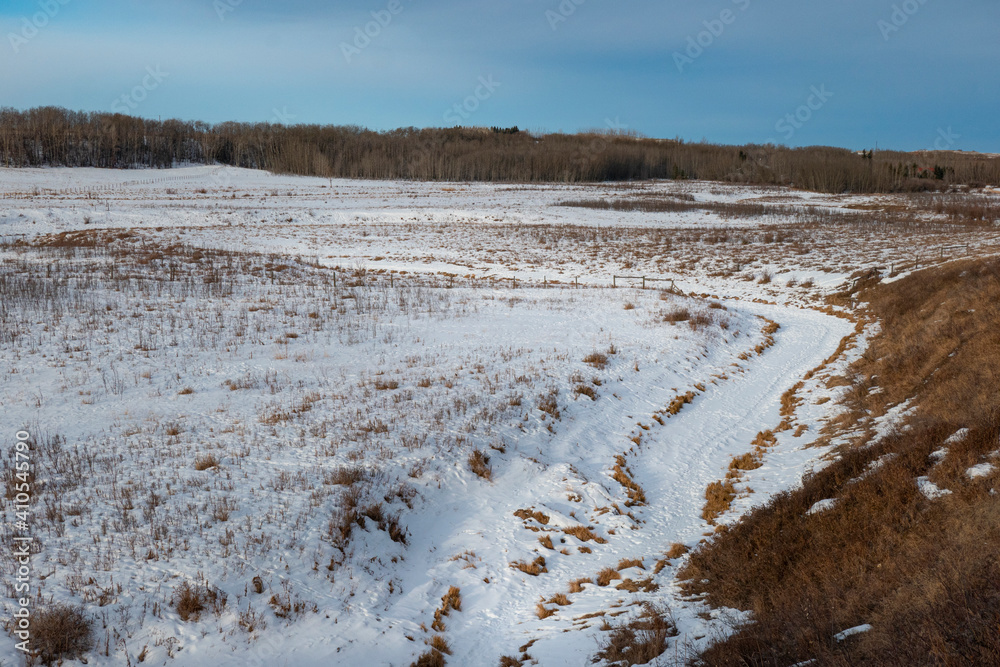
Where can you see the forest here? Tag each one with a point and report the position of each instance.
(50, 136)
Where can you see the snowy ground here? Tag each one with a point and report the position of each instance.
(229, 374)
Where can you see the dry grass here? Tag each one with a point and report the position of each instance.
(206, 461)
(438, 643)
(576, 586)
(719, 497)
(622, 474)
(540, 517)
(924, 573)
(191, 600)
(544, 612)
(640, 641)
(678, 403)
(61, 632)
(643, 585)
(745, 462)
(450, 601)
(431, 658)
(584, 534)
(676, 550)
(607, 575)
(534, 568)
(479, 463)
(597, 360)
(626, 563)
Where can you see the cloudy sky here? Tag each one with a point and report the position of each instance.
(907, 74)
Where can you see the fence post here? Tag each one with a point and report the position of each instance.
(644, 282)
(613, 278)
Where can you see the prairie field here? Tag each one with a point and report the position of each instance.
(281, 420)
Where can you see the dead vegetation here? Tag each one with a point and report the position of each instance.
(479, 463)
(922, 571)
(533, 568)
(640, 641)
(60, 632)
(622, 474)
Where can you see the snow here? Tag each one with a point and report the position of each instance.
(930, 490)
(981, 470)
(850, 632)
(290, 381)
(957, 437)
(822, 506)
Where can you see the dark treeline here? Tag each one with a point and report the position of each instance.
(57, 137)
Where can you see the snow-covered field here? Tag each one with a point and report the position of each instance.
(321, 405)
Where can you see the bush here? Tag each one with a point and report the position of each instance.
(639, 642)
(61, 631)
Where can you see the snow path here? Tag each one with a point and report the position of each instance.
(674, 465)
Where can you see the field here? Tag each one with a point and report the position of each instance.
(285, 420)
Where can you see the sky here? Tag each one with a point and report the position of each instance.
(900, 74)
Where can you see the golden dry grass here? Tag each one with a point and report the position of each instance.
(924, 573)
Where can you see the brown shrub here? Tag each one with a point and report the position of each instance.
(640, 641)
(584, 534)
(60, 632)
(438, 643)
(544, 612)
(190, 600)
(479, 463)
(532, 514)
(597, 360)
(431, 658)
(719, 497)
(677, 550)
(745, 462)
(206, 461)
(534, 568)
(607, 575)
(924, 573)
(626, 563)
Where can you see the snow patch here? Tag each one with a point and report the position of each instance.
(850, 632)
(930, 489)
(981, 470)
(957, 436)
(822, 506)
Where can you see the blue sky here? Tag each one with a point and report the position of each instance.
(910, 74)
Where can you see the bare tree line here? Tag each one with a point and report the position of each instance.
(50, 136)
